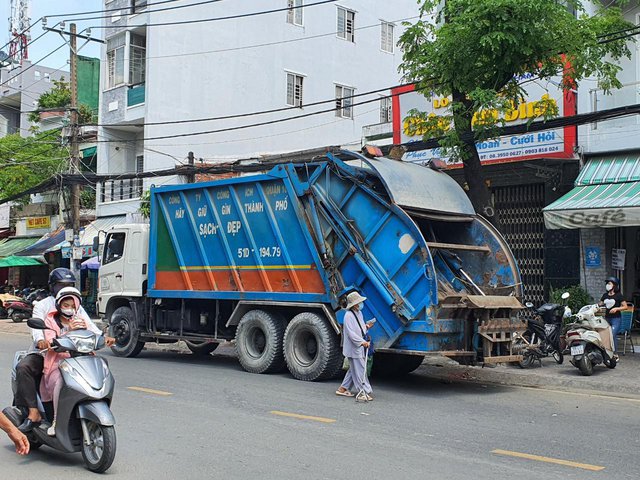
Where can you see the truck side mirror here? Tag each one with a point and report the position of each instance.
(96, 243)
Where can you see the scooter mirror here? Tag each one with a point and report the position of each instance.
(565, 295)
(37, 324)
(528, 305)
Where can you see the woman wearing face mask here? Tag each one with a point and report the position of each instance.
(354, 332)
(613, 301)
(60, 320)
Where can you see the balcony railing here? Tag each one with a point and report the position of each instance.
(126, 189)
(135, 95)
(628, 94)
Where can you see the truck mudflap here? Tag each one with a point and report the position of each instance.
(497, 324)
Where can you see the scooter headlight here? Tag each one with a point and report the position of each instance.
(84, 344)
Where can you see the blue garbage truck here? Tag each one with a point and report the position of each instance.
(266, 260)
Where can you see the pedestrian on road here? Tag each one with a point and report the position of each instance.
(354, 343)
(17, 437)
(614, 302)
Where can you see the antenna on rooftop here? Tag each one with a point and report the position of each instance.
(19, 23)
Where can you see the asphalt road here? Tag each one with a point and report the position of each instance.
(193, 418)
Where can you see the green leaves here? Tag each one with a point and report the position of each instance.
(26, 162)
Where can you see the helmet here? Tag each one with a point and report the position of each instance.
(614, 280)
(61, 276)
(67, 292)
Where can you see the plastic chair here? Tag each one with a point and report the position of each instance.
(626, 323)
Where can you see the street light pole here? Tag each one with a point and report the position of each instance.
(74, 150)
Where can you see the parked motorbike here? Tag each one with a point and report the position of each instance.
(18, 310)
(590, 340)
(543, 336)
(84, 422)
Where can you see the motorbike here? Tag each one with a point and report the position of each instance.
(590, 340)
(543, 336)
(84, 422)
(19, 310)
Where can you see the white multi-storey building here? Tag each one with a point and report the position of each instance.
(605, 203)
(170, 63)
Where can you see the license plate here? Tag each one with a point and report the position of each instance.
(577, 350)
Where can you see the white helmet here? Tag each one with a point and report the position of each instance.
(68, 292)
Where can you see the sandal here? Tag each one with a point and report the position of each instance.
(346, 393)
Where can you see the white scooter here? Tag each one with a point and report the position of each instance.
(84, 421)
(590, 341)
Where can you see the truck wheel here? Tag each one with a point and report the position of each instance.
(201, 348)
(259, 342)
(389, 365)
(311, 348)
(124, 329)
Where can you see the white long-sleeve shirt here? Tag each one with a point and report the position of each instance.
(42, 309)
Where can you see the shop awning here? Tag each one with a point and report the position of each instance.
(16, 261)
(15, 244)
(102, 223)
(606, 195)
(46, 243)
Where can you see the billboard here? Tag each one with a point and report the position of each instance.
(553, 143)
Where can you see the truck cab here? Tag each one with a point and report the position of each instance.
(123, 269)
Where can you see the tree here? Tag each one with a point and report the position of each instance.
(26, 162)
(475, 51)
(59, 96)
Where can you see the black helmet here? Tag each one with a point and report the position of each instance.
(614, 280)
(62, 276)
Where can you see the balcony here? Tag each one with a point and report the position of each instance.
(135, 95)
(117, 190)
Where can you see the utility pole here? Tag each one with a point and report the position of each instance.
(191, 178)
(76, 253)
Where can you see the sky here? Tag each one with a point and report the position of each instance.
(52, 40)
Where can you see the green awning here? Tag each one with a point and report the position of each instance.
(601, 170)
(15, 244)
(15, 261)
(607, 194)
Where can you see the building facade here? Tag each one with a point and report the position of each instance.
(163, 66)
(604, 207)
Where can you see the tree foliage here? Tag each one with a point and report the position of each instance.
(26, 162)
(59, 96)
(477, 51)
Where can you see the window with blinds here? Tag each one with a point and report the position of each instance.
(385, 110)
(386, 37)
(294, 89)
(115, 61)
(344, 101)
(346, 24)
(294, 12)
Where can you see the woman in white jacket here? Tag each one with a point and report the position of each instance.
(354, 343)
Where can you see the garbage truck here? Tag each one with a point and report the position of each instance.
(266, 260)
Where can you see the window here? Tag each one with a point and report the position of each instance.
(138, 5)
(386, 37)
(114, 248)
(294, 90)
(47, 77)
(139, 169)
(137, 59)
(294, 14)
(115, 61)
(344, 101)
(37, 74)
(385, 110)
(346, 24)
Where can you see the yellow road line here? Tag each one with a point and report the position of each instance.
(303, 417)
(566, 463)
(150, 390)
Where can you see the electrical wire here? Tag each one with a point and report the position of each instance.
(214, 19)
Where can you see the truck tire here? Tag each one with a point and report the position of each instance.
(390, 365)
(259, 342)
(124, 329)
(311, 348)
(201, 348)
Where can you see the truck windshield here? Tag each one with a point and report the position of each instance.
(114, 247)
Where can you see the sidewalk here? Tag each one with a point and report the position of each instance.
(624, 380)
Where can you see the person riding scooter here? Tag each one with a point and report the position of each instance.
(29, 370)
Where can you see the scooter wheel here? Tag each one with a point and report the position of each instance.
(527, 360)
(558, 357)
(611, 363)
(101, 451)
(16, 317)
(585, 366)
